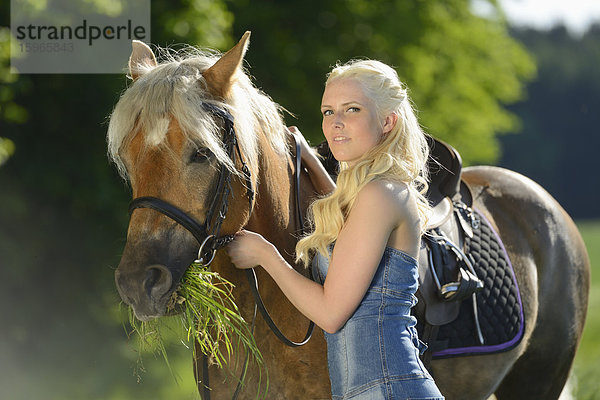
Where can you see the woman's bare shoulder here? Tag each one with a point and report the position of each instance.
(386, 190)
(393, 197)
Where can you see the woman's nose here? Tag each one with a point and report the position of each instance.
(338, 121)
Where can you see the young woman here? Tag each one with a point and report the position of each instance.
(365, 240)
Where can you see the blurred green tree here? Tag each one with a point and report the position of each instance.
(560, 118)
(9, 110)
(461, 68)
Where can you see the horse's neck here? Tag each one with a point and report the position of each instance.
(274, 213)
(273, 217)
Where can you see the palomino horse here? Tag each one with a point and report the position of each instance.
(166, 136)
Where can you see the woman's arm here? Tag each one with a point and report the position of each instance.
(250, 249)
(354, 261)
(318, 175)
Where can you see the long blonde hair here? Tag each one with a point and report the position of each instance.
(401, 156)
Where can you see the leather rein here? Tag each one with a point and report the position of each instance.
(207, 234)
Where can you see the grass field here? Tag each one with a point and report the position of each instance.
(587, 367)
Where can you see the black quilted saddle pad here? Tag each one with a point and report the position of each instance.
(499, 306)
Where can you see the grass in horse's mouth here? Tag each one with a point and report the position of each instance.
(208, 315)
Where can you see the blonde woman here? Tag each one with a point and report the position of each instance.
(365, 240)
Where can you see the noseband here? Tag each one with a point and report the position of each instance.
(207, 234)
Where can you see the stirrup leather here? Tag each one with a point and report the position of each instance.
(467, 282)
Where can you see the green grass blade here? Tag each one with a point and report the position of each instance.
(208, 316)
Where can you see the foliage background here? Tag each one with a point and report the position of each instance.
(63, 208)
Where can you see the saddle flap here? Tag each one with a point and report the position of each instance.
(437, 312)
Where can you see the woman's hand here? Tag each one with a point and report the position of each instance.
(318, 175)
(307, 151)
(249, 249)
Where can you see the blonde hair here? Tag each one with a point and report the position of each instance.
(401, 156)
(176, 88)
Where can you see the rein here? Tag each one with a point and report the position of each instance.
(251, 274)
(207, 234)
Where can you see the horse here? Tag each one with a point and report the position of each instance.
(166, 136)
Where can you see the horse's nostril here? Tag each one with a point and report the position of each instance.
(158, 281)
(123, 288)
(152, 276)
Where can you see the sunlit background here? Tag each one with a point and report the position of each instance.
(511, 83)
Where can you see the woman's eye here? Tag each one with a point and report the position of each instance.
(201, 155)
(353, 109)
(327, 113)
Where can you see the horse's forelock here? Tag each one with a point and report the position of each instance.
(176, 89)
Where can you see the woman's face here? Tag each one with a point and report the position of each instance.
(350, 122)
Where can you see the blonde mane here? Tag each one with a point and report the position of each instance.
(176, 88)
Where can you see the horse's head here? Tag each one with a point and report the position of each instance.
(170, 137)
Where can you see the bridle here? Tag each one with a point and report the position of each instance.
(207, 234)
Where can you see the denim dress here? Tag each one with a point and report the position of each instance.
(375, 355)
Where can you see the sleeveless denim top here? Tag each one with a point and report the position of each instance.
(375, 355)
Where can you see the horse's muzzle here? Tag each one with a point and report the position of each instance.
(147, 291)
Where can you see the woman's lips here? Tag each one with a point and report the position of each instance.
(340, 139)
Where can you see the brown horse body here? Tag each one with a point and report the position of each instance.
(546, 251)
(552, 269)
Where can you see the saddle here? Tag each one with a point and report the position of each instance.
(456, 315)
(446, 274)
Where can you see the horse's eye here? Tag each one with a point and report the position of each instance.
(201, 155)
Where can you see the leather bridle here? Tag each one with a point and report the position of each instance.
(207, 234)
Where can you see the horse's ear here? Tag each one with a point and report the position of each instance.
(219, 77)
(141, 56)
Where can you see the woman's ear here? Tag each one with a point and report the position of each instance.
(389, 123)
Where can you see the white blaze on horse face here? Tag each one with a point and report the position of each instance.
(158, 132)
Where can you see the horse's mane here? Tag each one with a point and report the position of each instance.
(176, 88)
